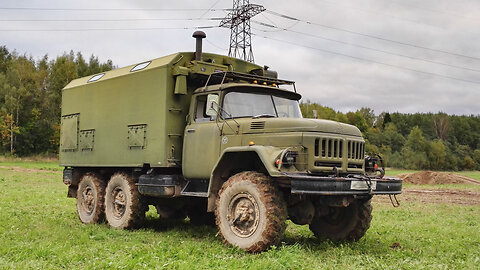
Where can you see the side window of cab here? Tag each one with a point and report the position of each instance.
(203, 108)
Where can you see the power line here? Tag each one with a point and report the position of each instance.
(371, 61)
(214, 45)
(110, 20)
(364, 47)
(371, 36)
(211, 8)
(113, 9)
(108, 29)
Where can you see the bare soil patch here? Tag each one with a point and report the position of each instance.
(20, 169)
(436, 178)
(448, 196)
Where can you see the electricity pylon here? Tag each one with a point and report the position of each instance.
(238, 20)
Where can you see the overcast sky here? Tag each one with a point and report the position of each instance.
(390, 55)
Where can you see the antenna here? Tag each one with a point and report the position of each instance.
(238, 20)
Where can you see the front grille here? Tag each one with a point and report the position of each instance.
(347, 155)
(329, 148)
(355, 150)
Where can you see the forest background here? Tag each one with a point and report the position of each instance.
(30, 97)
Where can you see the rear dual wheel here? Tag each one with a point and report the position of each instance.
(90, 199)
(124, 208)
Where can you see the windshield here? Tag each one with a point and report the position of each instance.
(237, 104)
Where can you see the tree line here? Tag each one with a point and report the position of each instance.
(434, 141)
(30, 97)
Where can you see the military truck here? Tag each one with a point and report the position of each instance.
(219, 140)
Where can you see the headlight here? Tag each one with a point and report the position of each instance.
(289, 158)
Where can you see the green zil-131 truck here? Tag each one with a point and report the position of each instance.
(216, 139)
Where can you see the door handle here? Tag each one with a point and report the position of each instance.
(190, 130)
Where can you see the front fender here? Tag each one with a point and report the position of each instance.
(256, 157)
(266, 154)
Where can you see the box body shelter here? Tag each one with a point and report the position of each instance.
(135, 116)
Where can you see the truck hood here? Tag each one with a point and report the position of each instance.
(279, 125)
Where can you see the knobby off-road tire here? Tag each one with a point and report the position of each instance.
(90, 197)
(344, 223)
(124, 208)
(250, 212)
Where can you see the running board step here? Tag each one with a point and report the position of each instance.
(196, 188)
(195, 194)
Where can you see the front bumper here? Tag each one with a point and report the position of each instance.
(351, 185)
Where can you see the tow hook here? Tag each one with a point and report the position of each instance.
(394, 201)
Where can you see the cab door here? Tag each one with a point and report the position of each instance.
(201, 145)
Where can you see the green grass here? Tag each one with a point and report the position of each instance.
(395, 172)
(39, 163)
(39, 229)
(473, 174)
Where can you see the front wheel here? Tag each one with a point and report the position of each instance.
(250, 212)
(124, 208)
(343, 223)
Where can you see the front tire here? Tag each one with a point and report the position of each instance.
(250, 212)
(124, 208)
(343, 223)
(90, 197)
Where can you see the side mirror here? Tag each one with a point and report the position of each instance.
(212, 105)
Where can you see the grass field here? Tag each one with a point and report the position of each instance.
(39, 229)
(394, 172)
(40, 163)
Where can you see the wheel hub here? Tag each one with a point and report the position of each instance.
(119, 202)
(88, 203)
(243, 215)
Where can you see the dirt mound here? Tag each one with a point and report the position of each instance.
(436, 178)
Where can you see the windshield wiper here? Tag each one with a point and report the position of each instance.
(264, 115)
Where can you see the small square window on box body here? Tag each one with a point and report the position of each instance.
(140, 66)
(96, 77)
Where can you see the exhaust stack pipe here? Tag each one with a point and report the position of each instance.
(199, 35)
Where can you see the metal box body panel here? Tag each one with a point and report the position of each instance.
(135, 115)
(129, 114)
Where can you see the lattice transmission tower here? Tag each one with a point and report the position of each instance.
(238, 20)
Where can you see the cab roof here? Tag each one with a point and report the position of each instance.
(249, 87)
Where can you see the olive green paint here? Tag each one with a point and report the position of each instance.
(148, 117)
(127, 119)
